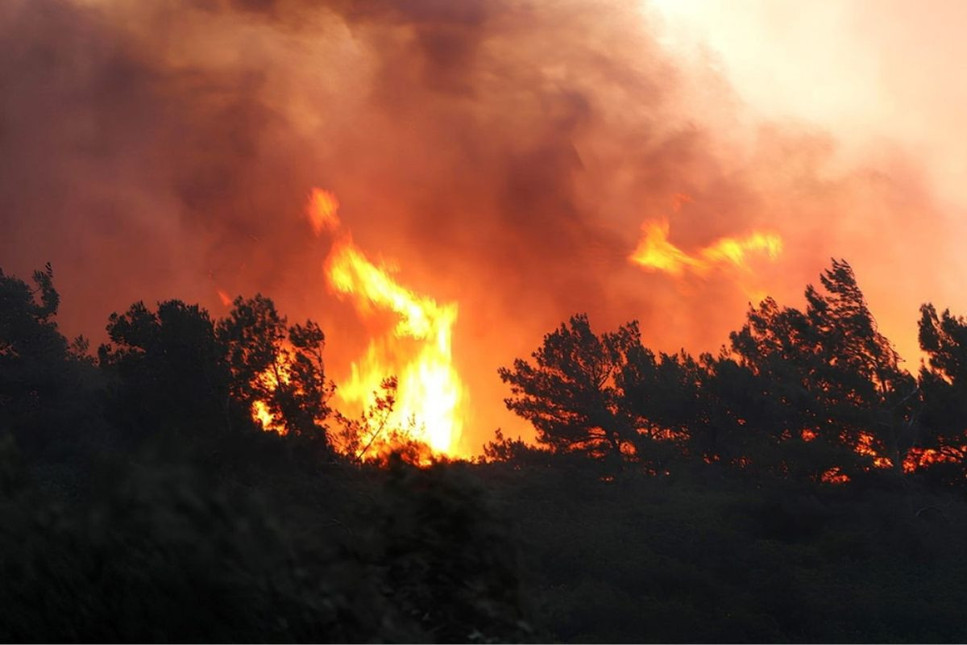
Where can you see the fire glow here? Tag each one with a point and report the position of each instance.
(418, 350)
(270, 379)
(655, 252)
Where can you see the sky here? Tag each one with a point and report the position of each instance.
(503, 155)
(882, 80)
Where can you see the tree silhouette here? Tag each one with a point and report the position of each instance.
(663, 395)
(175, 369)
(169, 372)
(277, 366)
(942, 425)
(826, 374)
(30, 344)
(44, 380)
(570, 392)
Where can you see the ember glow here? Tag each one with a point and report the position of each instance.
(417, 350)
(924, 457)
(865, 447)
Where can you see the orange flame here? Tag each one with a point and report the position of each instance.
(865, 447)
(924, 457)
(834, 476)
(261, 414)
(655, 252)
(418, 351)
(270, 379)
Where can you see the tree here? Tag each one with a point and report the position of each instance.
(942, 424)
(767, 384)
(276, 367)
(570, 392)
(175, 369)
(827, 374)
(169, 372)
(44, 380)
(31, 347)
(860, 374)
(664, 398)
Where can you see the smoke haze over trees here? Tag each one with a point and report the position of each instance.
(499, 152)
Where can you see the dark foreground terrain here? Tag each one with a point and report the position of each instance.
(263, 546)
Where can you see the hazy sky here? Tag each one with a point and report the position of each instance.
(884, 79)
(875, 72)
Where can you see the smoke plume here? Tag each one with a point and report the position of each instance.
(503, 154)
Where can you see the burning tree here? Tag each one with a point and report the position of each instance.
(277, 370)
(595, 394)
(942, 425)
(570, 392)
(175, 368)
(817, 394)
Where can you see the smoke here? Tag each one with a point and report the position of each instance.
(503, 154)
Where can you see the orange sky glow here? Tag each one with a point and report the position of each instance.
(665, 161)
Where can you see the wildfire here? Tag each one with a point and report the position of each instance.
(924, 457)
(834, 476)
(865, 447)
(270, 379)
(417, 351)
(916, 458)
(656, 252)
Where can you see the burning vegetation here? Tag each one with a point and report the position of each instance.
(825, 379)
(416, 352)
(219, 472)
(817, 394)
(785, 443)
(656, 253)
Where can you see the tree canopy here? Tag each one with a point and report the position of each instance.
(817, 393)
(187, 484)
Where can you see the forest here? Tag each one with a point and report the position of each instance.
(799, 485)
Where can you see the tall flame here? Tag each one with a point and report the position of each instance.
(656, 252)
(418, 350)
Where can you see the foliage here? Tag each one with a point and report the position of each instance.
(514, 451)
(367, 435)
(168, 371)
(942, 423)
(814, 395)
(140, 501)
(43, 379)
(570, 393)
(277, 366)
(181, 370)
(826, 372)
(160, 554)
(650, 559)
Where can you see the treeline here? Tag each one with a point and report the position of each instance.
(671, 498)
(141, 501)
(814, 395)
